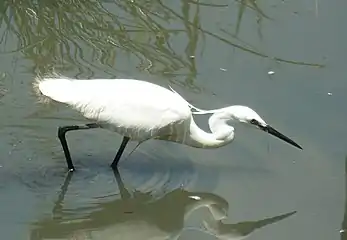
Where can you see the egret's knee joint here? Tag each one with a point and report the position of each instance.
(62, 131)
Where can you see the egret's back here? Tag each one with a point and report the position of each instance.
(134, 108)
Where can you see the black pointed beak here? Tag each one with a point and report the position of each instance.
(275, 133)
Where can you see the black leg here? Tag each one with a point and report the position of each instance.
(61, 135)
(120, 152)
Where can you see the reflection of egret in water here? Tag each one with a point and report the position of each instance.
(145, 171)
(137, 215)
(240, 230)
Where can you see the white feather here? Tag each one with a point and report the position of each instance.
(134, 108)
(141, 110)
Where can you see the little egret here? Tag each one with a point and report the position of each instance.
(140, 111)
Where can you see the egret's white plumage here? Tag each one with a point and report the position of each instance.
(137, 109)
(140, 110)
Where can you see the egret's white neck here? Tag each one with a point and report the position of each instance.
(221, 135)
(210, 203)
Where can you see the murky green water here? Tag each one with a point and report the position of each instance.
(215, 55)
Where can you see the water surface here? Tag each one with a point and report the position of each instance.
(215, 55)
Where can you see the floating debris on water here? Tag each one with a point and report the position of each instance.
(223, 69)
(329, 93)
(271, 72)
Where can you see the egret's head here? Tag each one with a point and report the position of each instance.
(248, 116)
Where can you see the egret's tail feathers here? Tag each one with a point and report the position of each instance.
(53, 87)
(198, 110)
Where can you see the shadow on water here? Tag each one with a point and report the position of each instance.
(137, 215)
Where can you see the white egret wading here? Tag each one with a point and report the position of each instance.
(140, 111)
